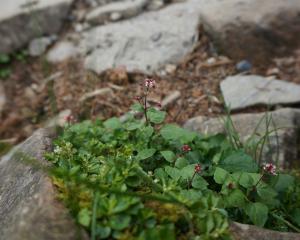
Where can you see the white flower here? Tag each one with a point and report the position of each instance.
(150, 83)
(57, 149)
(270, 168)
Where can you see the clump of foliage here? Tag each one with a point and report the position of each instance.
(6, 61)
(141, 179)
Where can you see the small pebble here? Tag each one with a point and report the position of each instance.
(211, 60)
(243, 66)
(273, 71)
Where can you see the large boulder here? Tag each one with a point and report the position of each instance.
(146, 42)
(243, 231)
(23, 20)
(245, 91)
(283, 125)
(28, 205)
(116, 11)
(252, 29)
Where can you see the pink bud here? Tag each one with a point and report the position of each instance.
(149, 83)
(186, 148)
(198, 168)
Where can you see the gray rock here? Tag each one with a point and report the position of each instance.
(146, 42)
(255, 30)
(124, 9)
(243, 231)
(243, 66)
(62, 51)
(284, 132)
(28, 205)
(245, 91)
(39, 45)
(155, 5)
(2, 98)
(59, 120)
(22, 21)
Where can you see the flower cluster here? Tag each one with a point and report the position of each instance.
(69, 119)
(150, 83)
(186, 148)
(270, 168)
(198, 168)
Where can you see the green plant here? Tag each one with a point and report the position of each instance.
(145, 180)
(6, 60)
(260, 139)
(4, 70)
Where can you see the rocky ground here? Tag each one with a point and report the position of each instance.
(91, 62)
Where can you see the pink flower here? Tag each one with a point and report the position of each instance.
(270, 168)
(69, 118)
(198, 168)
(186, 148)
(150, 83)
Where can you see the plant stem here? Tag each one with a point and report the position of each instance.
(286, 222)
(259, 180)
(145, 105)
(190, 183)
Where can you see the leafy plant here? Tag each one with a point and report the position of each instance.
(144, 180)
(6, 60)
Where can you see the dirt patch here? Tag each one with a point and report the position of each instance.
(37, 91)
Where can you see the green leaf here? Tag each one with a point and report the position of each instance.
(137, 107)
(112, 123)
(130, 126)
(168, 155)
(181, 162)
(258, 213)
(119, 222)
(133, 181)
(217, 157)
(4, 58)
(296, 216)
(5, 72)
(284, 181)
(187, 136)
(174, 173)
(84, 217)
(220, 175)
(173, 132)
(199, 182)
(246, 180)
(266, 192)
(160, 174)
(146, 153)
(147, 132)
(156, 116)
(103, 232)
(236, 198)
(190, 195)
(160, 232)
(239, 162)
(188, 171)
